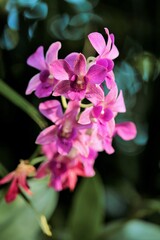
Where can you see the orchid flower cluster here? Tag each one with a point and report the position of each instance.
(83, 122)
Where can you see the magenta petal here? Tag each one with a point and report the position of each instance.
(13, 191)
(80, 65)
(33, 84)
(126, 130)
(52, 53)
(7, 178)
(107, 116)
(62, 88)
(96, 111)
(64, 147)
(107, 63)
(47, 136)
(96, 74)
(43, 90)
(71, 58)
(51, 109)
(94, 94)
(97, 41)
(37, 60)
(114, 51)
(61, 70)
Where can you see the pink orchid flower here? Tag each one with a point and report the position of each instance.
(76, 81)
(43, 82)
(18, 178)
(105, 51)
(66, 131)
(64, 170)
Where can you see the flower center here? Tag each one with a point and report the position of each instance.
(78, 84)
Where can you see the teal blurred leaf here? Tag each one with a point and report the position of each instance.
(87, 212)
(9, 39)
(147, 65)
(13, 21)
(131, 230)
(38, 12)
(18, 220)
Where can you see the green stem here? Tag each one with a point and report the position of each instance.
(83, 105)
(22, 103)
(37, 160)
(64, 102)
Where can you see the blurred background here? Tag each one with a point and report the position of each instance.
(122, 201)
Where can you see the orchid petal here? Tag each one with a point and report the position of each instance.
(97, 41)
(33, 84)
(52, 53)
(80, 65)
(119, 105)
(37, 60)
(61, 70)
(7, 178)
(94, 94)
(96, 74)
(13, 191)
(47, 136)
(126, 130)
(71, 58)
(62, 88)
(51, 109)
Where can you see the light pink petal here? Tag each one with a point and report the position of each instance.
(85, 116)
(47, 136)
(113, 53)
(126, 130)
(94, 94)
(109, 42)
(62, 88)
(112, 95)
(51, 109)
(119, 105)
(97, 41)
(82, 147)
(33, 84)
(110, 80)
(108, 146)
(96, 74)
(13, 191)
(80, 65)
(61, 70)
(73, 106)
(37, 60)
(52, 53)
(76, 96)
(71, 58)
(7, 178)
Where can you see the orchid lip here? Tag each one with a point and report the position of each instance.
(44, 75)
(79, 84)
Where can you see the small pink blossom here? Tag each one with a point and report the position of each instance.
(43, 82)
(66, 131)
(64, 170)
(76, 81)
(18, 178)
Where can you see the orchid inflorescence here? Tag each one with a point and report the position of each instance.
(84, 121)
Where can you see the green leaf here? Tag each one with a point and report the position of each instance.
(18, 220)
(22, 103)
(132, 230)
(87, 211)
